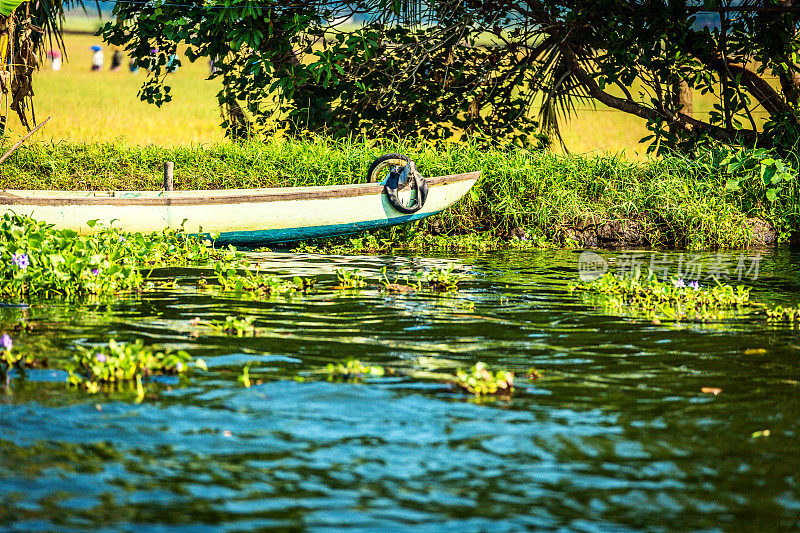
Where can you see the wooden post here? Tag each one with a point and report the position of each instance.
(169, 184)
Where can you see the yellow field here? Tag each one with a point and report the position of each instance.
(92, 106)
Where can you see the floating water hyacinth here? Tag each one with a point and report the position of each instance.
(6, 342)
(8, 359)
(20, 260)
(349, 279)
(353, 370)
(118, 362)
(646, 295)
(238, 327)
(784, 314)
(480, 381)
(56, 263)
(256, 283)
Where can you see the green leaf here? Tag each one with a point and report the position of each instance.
(767, 172)
(732, 185)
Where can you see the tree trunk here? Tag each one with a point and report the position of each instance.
(6, 27)
(790, 81)
(238, 127)
(682, 98)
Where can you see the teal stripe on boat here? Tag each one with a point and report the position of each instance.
(252, 239)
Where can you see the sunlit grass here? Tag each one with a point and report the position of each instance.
(102, 106)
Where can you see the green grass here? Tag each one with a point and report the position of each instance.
(104, 106)
(676, 201)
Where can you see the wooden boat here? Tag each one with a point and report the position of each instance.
(247, 217)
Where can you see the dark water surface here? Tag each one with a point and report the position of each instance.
(616, 435)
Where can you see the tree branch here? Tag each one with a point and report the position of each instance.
(677, 120)
(757, 86)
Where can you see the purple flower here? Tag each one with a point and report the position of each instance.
(101, 358)
(679, 283)
(21, 260)
(122, 239)
(179, 366)
(694, 285)
(95, 271)
(6, 342)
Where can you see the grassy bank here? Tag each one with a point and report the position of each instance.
(545, 197)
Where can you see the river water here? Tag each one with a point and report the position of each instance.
(616, 434)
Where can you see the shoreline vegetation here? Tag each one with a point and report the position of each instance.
(524, 198)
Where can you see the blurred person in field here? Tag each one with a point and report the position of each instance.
(152, 61)
(55, 59)
(172, 64)
(212, 68)
(116, 61)
(97, 57)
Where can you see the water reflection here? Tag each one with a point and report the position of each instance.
(616, 435)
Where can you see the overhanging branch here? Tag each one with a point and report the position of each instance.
(677, 120)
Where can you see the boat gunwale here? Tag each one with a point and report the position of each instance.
(214, 196)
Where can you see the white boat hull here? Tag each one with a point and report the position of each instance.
(245, 217)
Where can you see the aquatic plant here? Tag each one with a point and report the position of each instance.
(8, 358)
(245, 377)
(90, 368)
(257, 283)
(783, 314)
(353, 370)
(397, 286)
(675, 298)
(349, 279)
(44, 262)
(411, 238)
(441, 279)
(237, 327)
(13, 358)
(437, 280)
(478, 380)
(533, 373)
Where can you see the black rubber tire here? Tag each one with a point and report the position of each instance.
(414, 178)
(385, 160)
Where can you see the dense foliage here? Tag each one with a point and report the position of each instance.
(40, 261)
(452, 67)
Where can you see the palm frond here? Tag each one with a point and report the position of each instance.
(560, 91)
